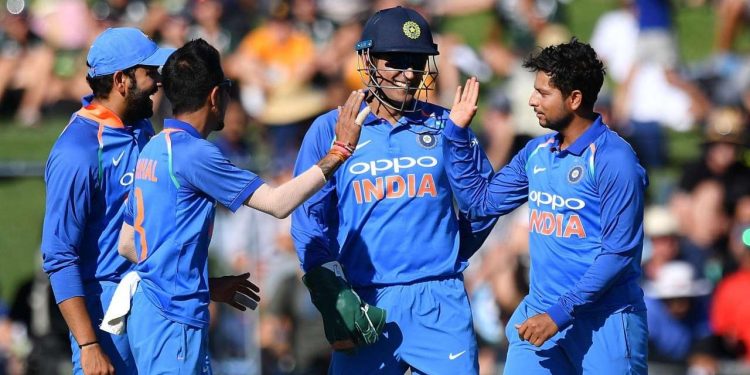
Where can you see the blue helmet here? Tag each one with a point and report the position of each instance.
(397, 31)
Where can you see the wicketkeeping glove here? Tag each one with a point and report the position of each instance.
(345, 315)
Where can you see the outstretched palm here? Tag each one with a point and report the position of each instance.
(465, 103)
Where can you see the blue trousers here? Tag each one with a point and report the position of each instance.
(610, 344)
(428, 329)
(163, 346)
(116, 347)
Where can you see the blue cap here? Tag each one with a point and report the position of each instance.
(121, 48)
(397, 30)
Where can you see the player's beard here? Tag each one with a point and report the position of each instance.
(561, 123)
(138, 104)
(219, 125)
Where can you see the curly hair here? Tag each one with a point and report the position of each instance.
(571, 66)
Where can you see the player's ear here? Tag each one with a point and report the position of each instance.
(214, 97)
(120, 82)
(575, 99)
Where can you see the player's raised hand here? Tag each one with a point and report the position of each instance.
(465, 103)
(537, 329)
(350, 120)
(94, 361)
(236, 291)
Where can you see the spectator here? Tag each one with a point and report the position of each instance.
(274, 65)
(34, 306)
(297, 320)
(678, 316)
(730, 15)
(724, 141)
(661, 228)
(24, 59)
(207, 15)
(498, 130)
(653, 94)
(703, 225)
(231, 141)
(731, 306)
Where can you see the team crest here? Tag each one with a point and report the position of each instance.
(575, 174)
(411, 30)
(427, 141)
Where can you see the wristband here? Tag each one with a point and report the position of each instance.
(340, 155)
(341, 149)
(88, 344)
(346, 146)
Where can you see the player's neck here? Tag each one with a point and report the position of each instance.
(385, 112)
(198, 120)
(115, 106)
(575, 129)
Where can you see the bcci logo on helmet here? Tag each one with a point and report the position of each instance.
(411, 30)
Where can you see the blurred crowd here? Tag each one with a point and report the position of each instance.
(294, 59)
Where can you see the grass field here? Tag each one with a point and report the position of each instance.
(22, 200)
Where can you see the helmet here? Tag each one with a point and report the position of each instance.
(396, 30)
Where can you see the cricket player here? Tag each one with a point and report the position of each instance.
(89, 173)
(179, 179)
(384, 228)
(585, 311)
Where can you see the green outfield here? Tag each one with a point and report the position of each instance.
(23, 198)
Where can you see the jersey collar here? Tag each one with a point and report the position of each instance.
(99, 113)
(407, 118)
(588, 137)
(171, 123)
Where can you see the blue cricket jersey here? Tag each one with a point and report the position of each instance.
(585, 216)
(179, 179)
(387, 213)
(88, 176)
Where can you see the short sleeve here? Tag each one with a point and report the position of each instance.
(207, 170)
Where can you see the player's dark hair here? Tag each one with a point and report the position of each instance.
(102, 85)
(190, 74)
(571, 66)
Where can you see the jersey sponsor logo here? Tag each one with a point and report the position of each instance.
(554, 224)
(394, 187)
(538, 169)
(389, 183)
(395, 165)
(555, 201)
(146, 170)
(126, 179)
(544, 220)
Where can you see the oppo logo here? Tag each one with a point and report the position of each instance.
(555, 201)
(126, 179)
(394, 165)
